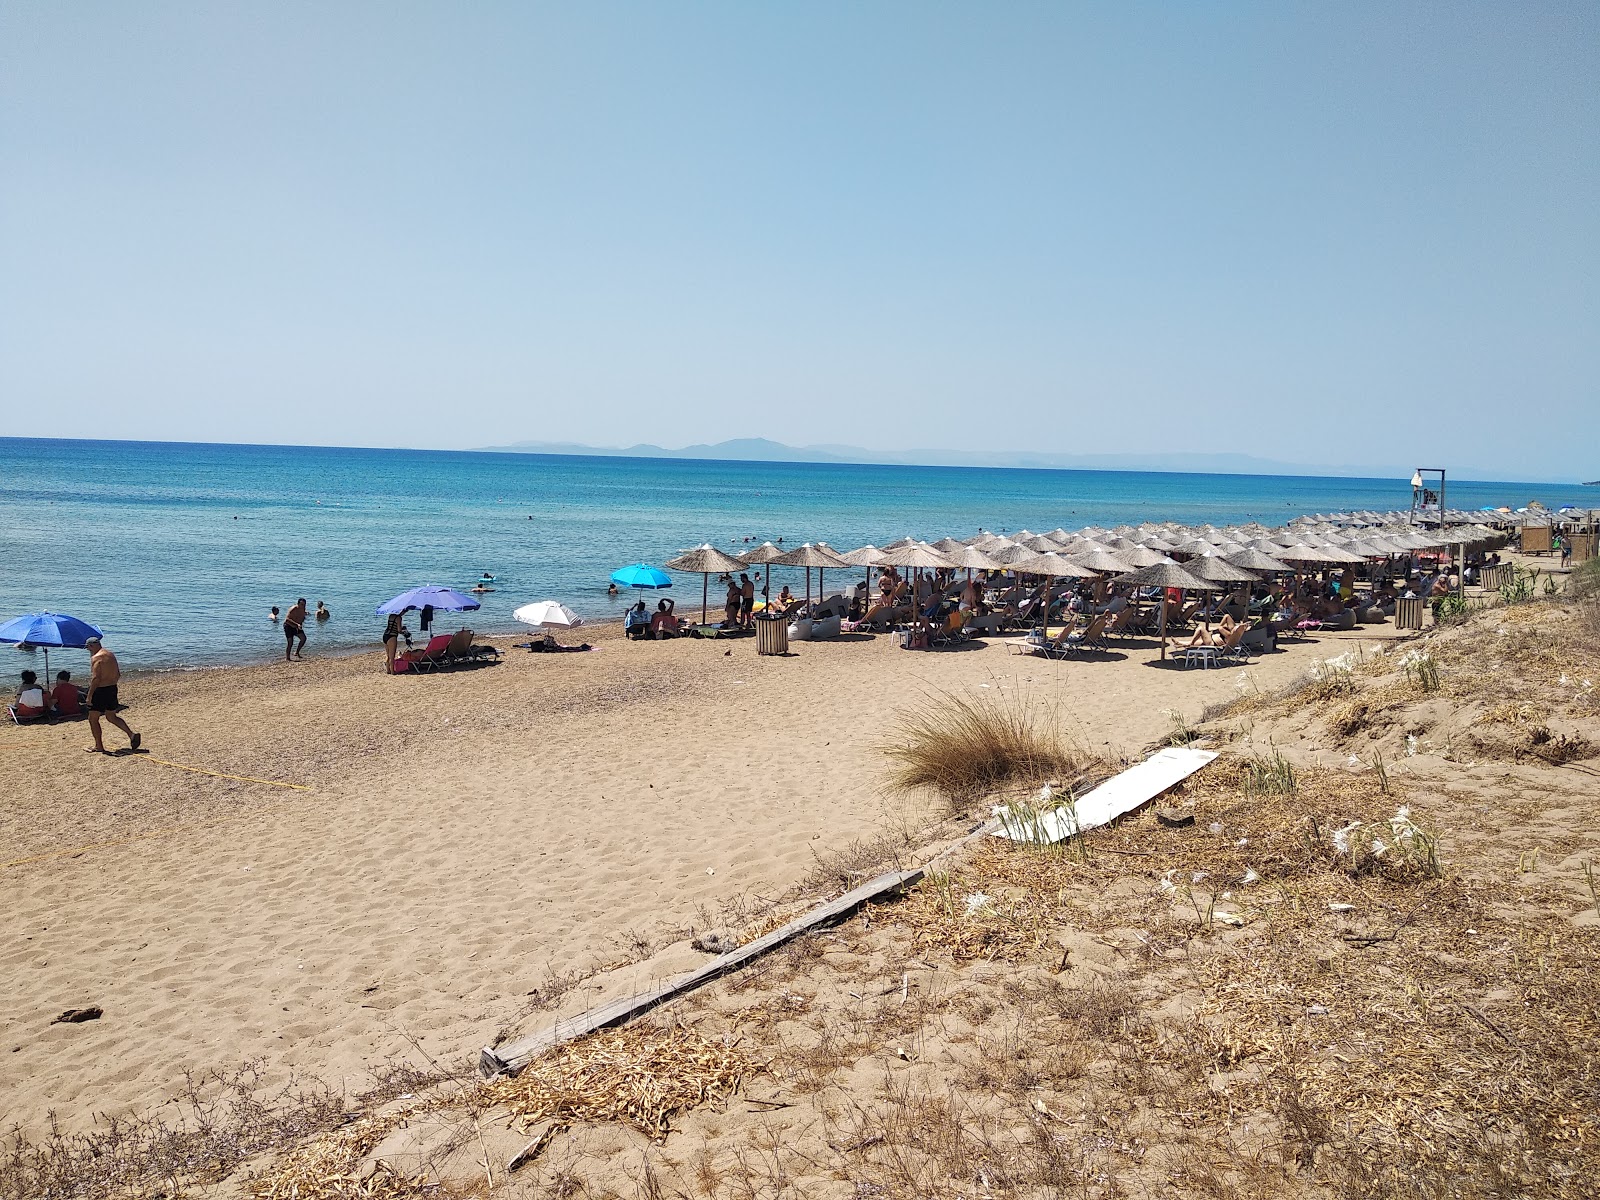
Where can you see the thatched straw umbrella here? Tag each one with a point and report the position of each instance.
(867, 556)
(919, 556)
(705, 560)
(765, 554)
(1166, 575)
(1135, 557)
(1101, 561)
(1052, 567)
(1254, 560)
(808, 556)
(1218, 569)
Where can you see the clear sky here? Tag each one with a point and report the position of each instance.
(1331, 232)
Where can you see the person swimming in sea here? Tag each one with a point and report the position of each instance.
(273, 615)
(322, 613)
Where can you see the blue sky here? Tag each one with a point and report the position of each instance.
(1324, 232)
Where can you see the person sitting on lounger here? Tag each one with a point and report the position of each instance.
(65, 697)
(663, 624)
(32, 703)
(785, 597)
(637, 623)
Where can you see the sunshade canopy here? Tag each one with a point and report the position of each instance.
(641, 575)
(1058, 565)
(764, 553)
(1167, 575)
(446, 599)
(1218, 570)
(810, 555)
(48, 629)
(864, 556)
(918, 554)
(1255, 560)
(703, 560)
(548, 613)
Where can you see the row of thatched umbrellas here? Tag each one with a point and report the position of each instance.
(1143, 556)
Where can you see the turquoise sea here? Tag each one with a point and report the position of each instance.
(177, 550)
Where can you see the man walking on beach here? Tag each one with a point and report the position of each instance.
(104, 675)
(747, 599)
(294, 626)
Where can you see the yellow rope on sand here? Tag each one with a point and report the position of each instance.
(299, 787)
(74, 851)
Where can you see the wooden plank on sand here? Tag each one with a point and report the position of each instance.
(512, 1058)
(1120, 794)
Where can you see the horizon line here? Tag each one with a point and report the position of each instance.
(620, 454)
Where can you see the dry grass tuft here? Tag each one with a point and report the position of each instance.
(327, 1168)
(221, 1120)
(639, 1075)
(965, 748)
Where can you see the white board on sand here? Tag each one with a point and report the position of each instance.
(1120, 794)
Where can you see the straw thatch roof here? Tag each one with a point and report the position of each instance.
(1135, 557)
(704, 560)
(1167, 575)
(1009, 554)
(764, 553)
(973, 559)
(1254, 560)
(864, 556)
(1101, 561)
(918, 554)
(810, 555)
(1219, 570)
(1052, 564)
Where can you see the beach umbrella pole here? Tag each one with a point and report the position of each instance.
(705, 593)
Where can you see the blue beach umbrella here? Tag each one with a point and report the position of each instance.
(48, 629)
(444, 598)
(641, 575)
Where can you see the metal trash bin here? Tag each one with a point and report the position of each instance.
(772, 634)
(1408, 613)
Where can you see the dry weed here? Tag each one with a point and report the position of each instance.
(640, 1075)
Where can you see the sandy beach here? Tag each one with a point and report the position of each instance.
(463, 839)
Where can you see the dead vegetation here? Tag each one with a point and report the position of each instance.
(641, 1075)
(965, 748)
(221, 1120)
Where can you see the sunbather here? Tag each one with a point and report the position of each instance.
(32, 703)
(65, 698)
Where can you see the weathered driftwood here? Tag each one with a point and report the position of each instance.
(509, 1059)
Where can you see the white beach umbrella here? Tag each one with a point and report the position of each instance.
(548, 614)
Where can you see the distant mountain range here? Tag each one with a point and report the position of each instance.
(763, 450)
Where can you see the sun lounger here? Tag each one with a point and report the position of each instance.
(461, 650)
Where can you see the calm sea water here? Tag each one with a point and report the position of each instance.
(178, 550)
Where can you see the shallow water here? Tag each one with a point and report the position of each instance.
(178, 550)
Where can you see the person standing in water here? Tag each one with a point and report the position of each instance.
(294, 626)
(104, 675)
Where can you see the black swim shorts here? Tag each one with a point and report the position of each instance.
(104, 699)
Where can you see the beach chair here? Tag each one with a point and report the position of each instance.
(1094, 637)
(18, 718)
(1233, 646)
(1121, 624)
(430, 658)
(461, 650)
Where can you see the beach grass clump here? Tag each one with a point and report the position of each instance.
(965, 748)
(638, 1075)
(1422, 669)
(1269, 774)
(1398, 848)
